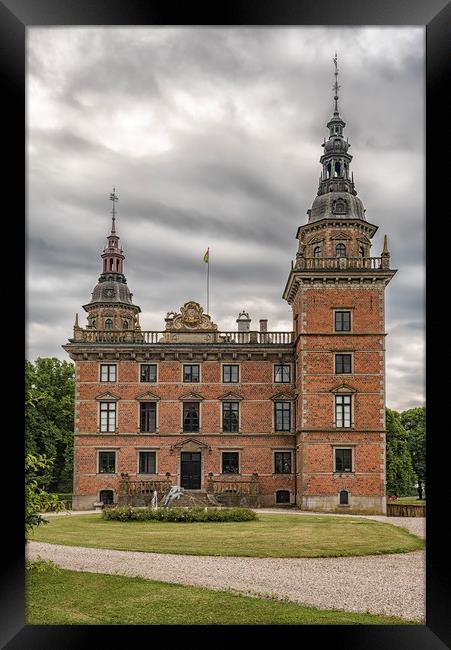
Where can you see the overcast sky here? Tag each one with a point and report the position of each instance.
(212, 137)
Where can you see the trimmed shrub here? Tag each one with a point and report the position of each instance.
(128, 513)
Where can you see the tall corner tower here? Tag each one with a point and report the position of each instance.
(111, 306)
(337, 292)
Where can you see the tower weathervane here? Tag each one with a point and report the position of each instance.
(336, 87)
(113, 198)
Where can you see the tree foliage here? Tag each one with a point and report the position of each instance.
(414, 422)
(49, 419)
(400, 473)
(37, 500)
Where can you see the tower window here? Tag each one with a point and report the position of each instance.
(317, 251)
(342, 411)
(125, 325)
(108, 324)
(361, 251)
(343, 460)
(340, 250)
(342, 321)
(342, 364)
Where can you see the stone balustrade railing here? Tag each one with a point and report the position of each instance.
(149, 337)
(343, 263)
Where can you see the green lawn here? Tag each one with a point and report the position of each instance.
(270, 536)
(58, 597)
(409, 501)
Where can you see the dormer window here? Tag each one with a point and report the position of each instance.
(317, 251)
(125, 325)
(361, 251)
(108, 324)
(340, 250)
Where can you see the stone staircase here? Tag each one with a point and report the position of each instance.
(195, 499)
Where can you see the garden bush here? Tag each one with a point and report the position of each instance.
(128, 513)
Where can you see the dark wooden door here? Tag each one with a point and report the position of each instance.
(190, 463)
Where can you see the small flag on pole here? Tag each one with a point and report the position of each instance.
(206, 255)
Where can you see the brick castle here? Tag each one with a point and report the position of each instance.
(252, 416)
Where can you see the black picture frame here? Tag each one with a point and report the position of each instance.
(435, 16)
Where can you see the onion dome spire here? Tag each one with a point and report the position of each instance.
(336, 196)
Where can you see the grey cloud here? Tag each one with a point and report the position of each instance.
(241, 114)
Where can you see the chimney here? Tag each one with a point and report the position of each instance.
(244, 322)
(263, 324)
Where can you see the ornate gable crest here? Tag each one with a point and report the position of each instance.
(191, 318)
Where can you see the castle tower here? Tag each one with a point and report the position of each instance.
(111, 306)
(336, 290)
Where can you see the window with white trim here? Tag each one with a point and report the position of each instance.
(343, 410)
(107, 372)
(107, 417)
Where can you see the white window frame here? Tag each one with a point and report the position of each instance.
(282, 363)
(351, 410)
(228, 383)
(108, 401)
(108, 381)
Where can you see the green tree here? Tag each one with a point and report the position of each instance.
(37, 500)
(400, 474)
(414, 422)
(49, 419)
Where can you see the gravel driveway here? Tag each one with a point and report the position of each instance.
(383, 584)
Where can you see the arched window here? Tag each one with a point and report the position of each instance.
(361, 251)
(125, 325)
(108, 324)
(93, 323)
(344, 497)
(337, 169)
(106, 497)
(317, 251)
(340, 250)
(111, 265)
(329, 170)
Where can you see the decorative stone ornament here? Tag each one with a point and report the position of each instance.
(191, 318)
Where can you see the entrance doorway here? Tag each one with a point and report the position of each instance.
(190, 464)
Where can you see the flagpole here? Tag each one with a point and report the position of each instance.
(208, 283)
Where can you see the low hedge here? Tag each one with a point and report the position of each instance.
(128, 513)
